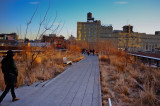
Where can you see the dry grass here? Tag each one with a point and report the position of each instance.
(2, 83)
(130, 82)
(104, 59)
(126, 90)
(105, 90)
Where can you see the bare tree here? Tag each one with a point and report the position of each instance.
(45, 25)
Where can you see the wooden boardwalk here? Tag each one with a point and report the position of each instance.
(79, 85)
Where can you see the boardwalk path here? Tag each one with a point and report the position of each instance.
(77, 86)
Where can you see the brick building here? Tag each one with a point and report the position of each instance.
(58, 41)
(8, 39)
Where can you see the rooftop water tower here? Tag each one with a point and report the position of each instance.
(128, 29)
(89, 17)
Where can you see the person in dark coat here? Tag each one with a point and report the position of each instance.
(93, 52)
(88, 52)
(10, 72)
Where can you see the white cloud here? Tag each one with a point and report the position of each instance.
(121, 2)
(34, 2)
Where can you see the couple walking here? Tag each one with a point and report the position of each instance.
(10, 72)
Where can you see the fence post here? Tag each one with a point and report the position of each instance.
(109, 100)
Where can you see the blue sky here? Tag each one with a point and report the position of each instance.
(144, 15)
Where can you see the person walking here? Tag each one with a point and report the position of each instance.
(10, 72)
(88, 52)
(93, 52)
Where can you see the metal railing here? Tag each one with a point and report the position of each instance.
(149, 58)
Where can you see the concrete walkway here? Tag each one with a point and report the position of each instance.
(79, 85)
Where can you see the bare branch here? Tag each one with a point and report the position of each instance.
(53, 31)
(30, 21)
(54, 20)
(61, 28)
(47, 27)
(41, 23)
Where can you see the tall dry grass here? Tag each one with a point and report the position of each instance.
(130, 82)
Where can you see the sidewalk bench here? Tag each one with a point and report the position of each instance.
(65, 61)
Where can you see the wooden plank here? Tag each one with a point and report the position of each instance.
(36, 96)
(97, 91)
(81, 92)
(71, 94)
(59, 94)
(61, 83)
(87, 100)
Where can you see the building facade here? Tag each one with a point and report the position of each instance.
(125, 39)
(134, 41)
(58, 41)
(8, 39)
(92, 30)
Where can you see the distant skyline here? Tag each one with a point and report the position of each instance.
(144, 15)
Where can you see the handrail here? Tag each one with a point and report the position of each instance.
(154, 58)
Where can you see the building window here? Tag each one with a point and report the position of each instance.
(146, 47)
(150, 47)
(155, 45)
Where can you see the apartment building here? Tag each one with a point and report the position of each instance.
(92, 30)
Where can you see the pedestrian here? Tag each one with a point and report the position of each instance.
(10, 72)
(88, 52)
(82, 51)
(93, 52)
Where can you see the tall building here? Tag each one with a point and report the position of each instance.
(92, 30)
